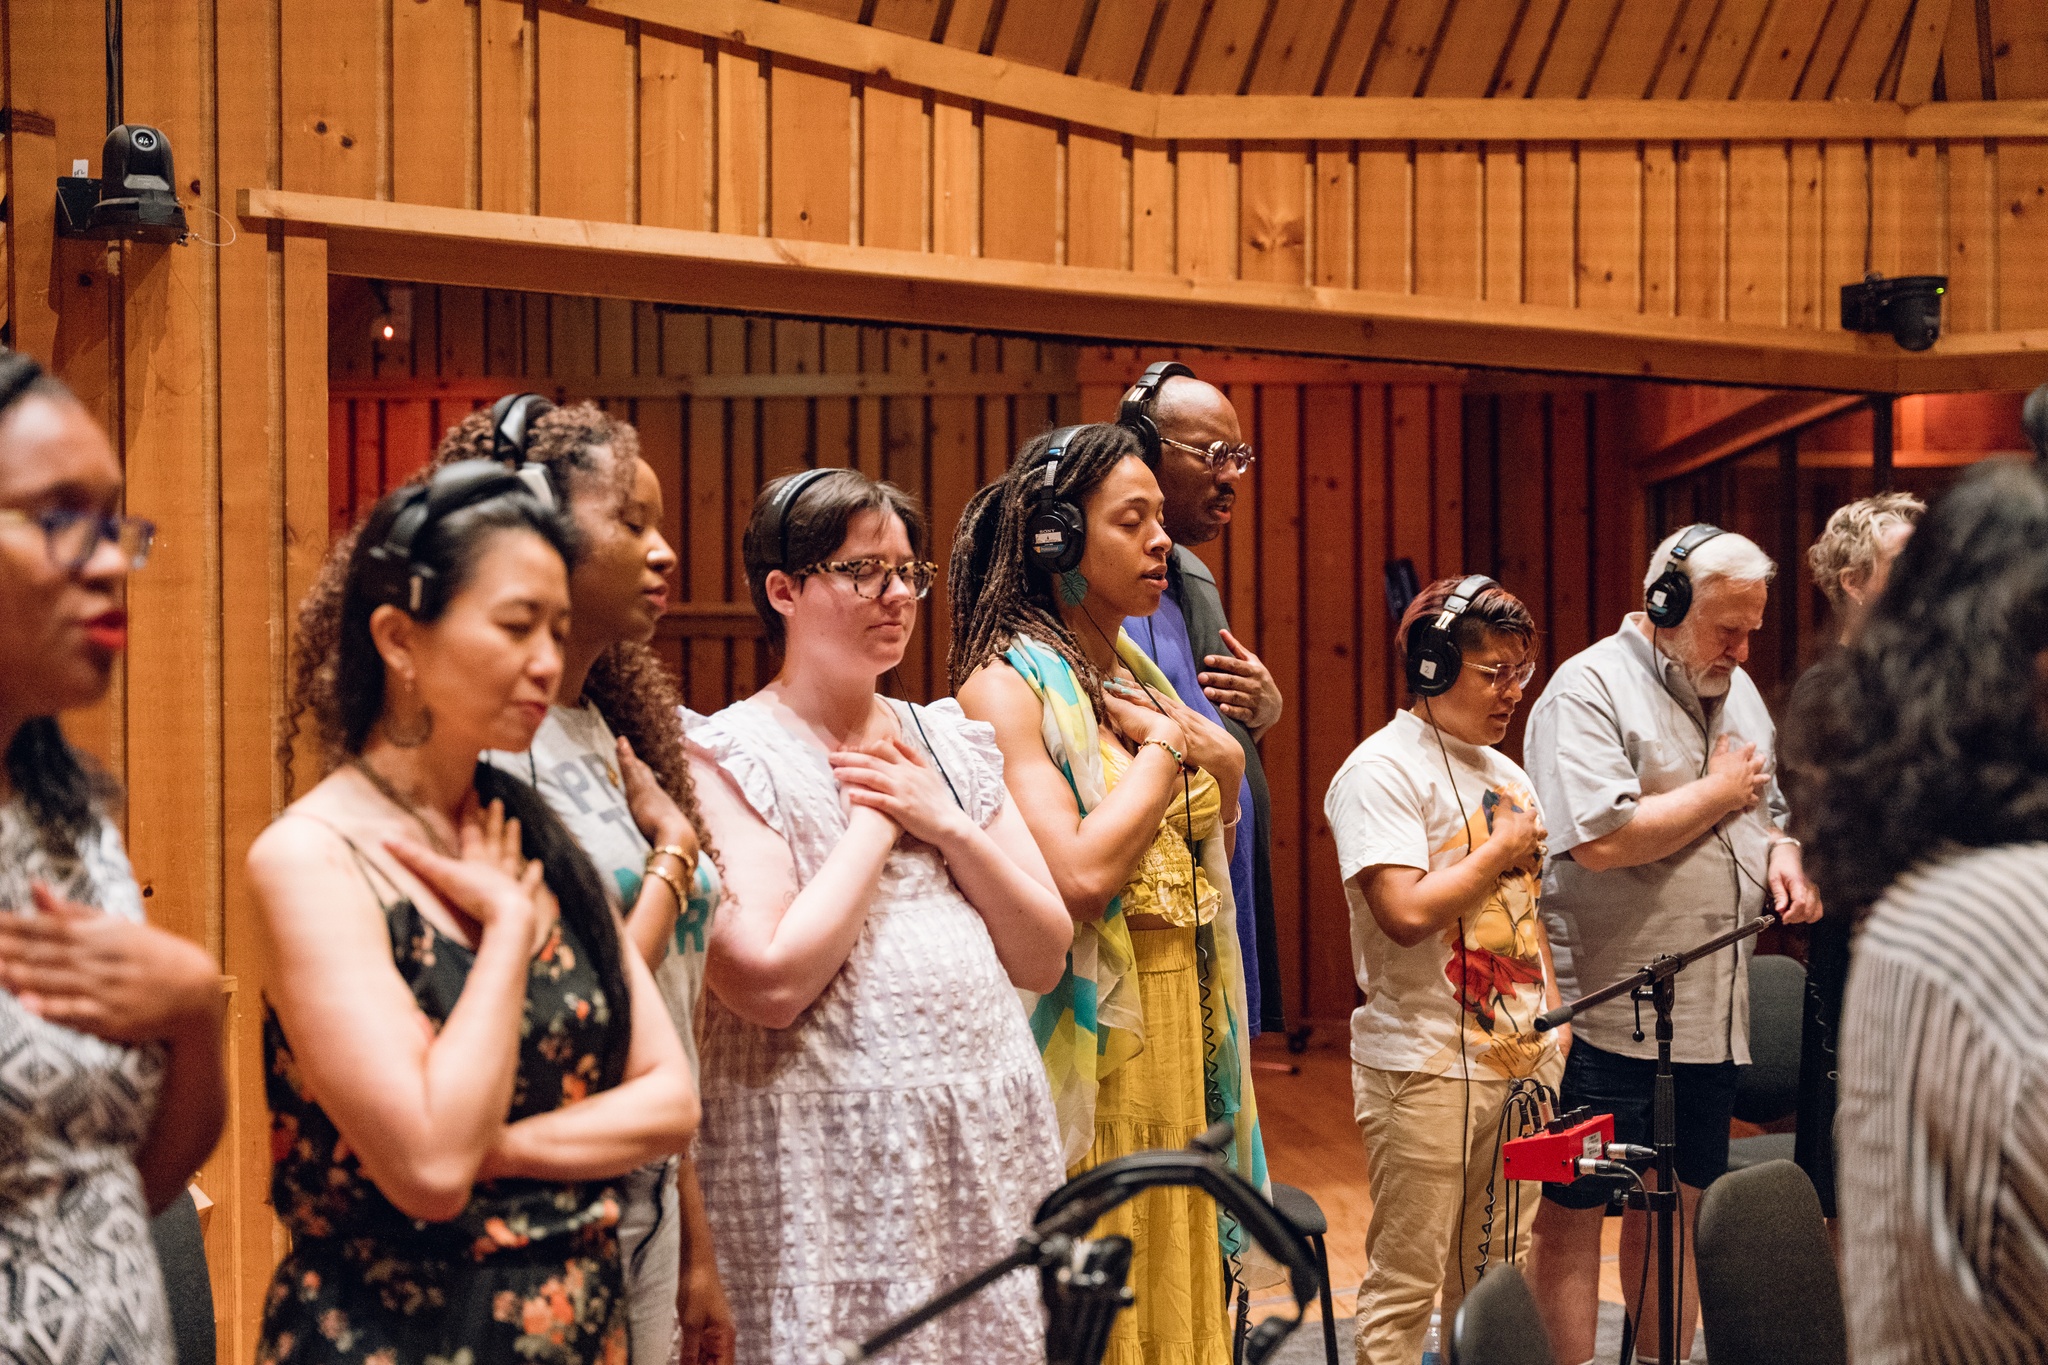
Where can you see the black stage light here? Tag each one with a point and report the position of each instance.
(1908, 307)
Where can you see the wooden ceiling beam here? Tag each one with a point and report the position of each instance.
(1019, 86)
(380, 239)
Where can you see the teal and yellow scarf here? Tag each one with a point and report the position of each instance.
(1091, 1023)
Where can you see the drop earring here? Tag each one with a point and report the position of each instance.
(1073, 588)
(411, 736)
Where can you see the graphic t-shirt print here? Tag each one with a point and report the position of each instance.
(1496, 975)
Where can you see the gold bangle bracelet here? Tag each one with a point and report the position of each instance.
(676, 851)
(675, 887)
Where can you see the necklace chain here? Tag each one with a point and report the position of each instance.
(398, 799)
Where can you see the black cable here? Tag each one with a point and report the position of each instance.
(1464, 1064)
(1631, 1327)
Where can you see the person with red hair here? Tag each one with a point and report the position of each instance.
(1441, 847)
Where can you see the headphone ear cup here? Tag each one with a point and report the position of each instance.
(1055, 536)
(1140, 425)
(1434, 660)
(1668, 599)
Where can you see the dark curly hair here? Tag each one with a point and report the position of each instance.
(340, 682)
(588, 452)
(1926, 730)
(996, 593)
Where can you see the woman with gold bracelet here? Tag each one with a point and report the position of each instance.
(609, 760)
(1133, 798)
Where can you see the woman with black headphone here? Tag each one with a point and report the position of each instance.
(875, 1119)
(464, 1057)
(1134, 797)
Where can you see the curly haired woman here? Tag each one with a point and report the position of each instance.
(610, 761)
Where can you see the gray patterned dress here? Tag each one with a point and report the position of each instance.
(79, 1283)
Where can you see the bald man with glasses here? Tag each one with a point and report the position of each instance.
(1197, 450)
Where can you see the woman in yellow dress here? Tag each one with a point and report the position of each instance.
(1133, 797)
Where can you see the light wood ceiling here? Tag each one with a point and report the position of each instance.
(1907, 50)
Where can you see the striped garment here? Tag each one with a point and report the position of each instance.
(1942, 1134)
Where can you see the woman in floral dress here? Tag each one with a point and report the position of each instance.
(463, 1060)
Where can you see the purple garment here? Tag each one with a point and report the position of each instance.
(1164, 636)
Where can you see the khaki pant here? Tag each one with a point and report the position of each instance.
(1421, 1176)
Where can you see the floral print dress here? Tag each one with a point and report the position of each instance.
(529, 1271)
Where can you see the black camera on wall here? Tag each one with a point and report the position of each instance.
(135, 198)
(1908, 307)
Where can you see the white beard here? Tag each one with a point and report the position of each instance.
(1710, 684)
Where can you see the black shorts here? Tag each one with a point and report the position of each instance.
(1609, 1083)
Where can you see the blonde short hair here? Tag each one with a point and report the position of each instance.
(1848, 543)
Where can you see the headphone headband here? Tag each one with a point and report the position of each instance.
(512, 419)
(1135, 412)
(1669, 596)
(785, 503)
(1434, 658)
(397, 579)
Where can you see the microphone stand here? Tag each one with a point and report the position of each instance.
(1657, 983)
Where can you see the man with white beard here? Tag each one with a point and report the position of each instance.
(1652, 756)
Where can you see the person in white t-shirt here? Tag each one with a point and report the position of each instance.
(1441, 846)
(610, 760)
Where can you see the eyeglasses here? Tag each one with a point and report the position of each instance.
(1502, 677)
(870, 577)
(72, 536)
(1218, 455)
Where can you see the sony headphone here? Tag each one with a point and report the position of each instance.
(512, 419)
(1669, 597)
(1434, 659)
(785, 503)
(1055, 531)
(1135, 413)
(391, 575)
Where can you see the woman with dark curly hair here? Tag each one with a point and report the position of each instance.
(110, 1028)
(1928, 736)
(464, 1058)
(610, 761)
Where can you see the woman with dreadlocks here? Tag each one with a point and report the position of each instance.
(610, 762)
(1133, 798)
(875, 1120)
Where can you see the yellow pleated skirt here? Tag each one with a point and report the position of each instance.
(1155, 1100)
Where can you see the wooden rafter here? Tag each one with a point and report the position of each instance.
(1031, 89)
(720, 270)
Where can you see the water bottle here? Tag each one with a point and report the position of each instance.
(1433, 1340)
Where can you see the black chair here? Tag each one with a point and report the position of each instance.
(1769, 1290)
(181, 1251)
(1768, 1088)
(1498, 1324)
(1298, 1208)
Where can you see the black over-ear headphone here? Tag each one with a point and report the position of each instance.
(785, 503)
(1669, 597)
(1135, 413)
(391, 575)
(1055, 531)
(1434, 659)
(512, 419)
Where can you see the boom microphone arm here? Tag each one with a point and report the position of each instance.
(1068, 1213)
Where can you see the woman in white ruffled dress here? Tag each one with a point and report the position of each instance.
(877, 1122)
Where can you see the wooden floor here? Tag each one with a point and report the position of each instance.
(1313, 1144)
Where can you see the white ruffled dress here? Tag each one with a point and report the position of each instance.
(899, 1135)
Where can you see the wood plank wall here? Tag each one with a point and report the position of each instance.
(722, 405)
(695, 133)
